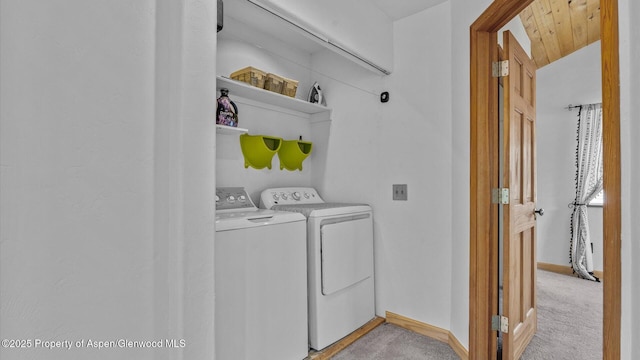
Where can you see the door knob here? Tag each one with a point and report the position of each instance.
(538, 212)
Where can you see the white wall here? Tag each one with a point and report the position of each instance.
(187, 172)
(77, 204)
(574, 79)
(516, 27)
(629, 87)
(347, 150)
(83, 254)
(416, 129)
(240, 45)
(355, 25)
(370, 146)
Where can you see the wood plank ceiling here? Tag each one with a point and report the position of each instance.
(559, 27)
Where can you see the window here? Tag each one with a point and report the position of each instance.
(598, 200)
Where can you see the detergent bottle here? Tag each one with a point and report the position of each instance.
(227, 113)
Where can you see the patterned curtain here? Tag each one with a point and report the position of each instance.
(588, 186)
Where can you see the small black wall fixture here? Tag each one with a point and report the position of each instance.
(220, 15)
(384, 97)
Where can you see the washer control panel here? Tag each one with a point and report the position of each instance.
(233, 198)
(289, 196)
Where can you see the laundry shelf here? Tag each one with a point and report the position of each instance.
(241, 89)
(228, 130)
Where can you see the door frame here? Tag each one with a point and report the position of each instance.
(484, 175)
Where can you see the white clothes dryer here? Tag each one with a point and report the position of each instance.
(260, 282)
(339, 259)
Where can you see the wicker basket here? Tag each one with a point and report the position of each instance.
(290, 87)
(251, 76)
(274, 83)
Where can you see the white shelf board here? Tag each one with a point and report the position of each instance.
(228, 130)
(268, 97)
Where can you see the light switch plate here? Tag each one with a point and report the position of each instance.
(399, 191)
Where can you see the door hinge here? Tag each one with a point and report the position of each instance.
(500, 196)
(500, 68)
(500, 323)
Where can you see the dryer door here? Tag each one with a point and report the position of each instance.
(346, 251)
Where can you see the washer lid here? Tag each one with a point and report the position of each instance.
(323, 209)
(259, 217)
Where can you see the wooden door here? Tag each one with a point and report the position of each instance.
(483, 174)
(519, 176)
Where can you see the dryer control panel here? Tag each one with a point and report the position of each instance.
(289, 196)
(233, 198)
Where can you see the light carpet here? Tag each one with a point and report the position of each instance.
(389, 341)
(569, 319)
(569, 327)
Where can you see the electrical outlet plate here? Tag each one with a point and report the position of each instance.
(399, 191)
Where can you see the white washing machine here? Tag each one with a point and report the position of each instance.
(260, 281)
(340, 261)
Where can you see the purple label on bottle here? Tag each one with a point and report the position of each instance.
(227, 114)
